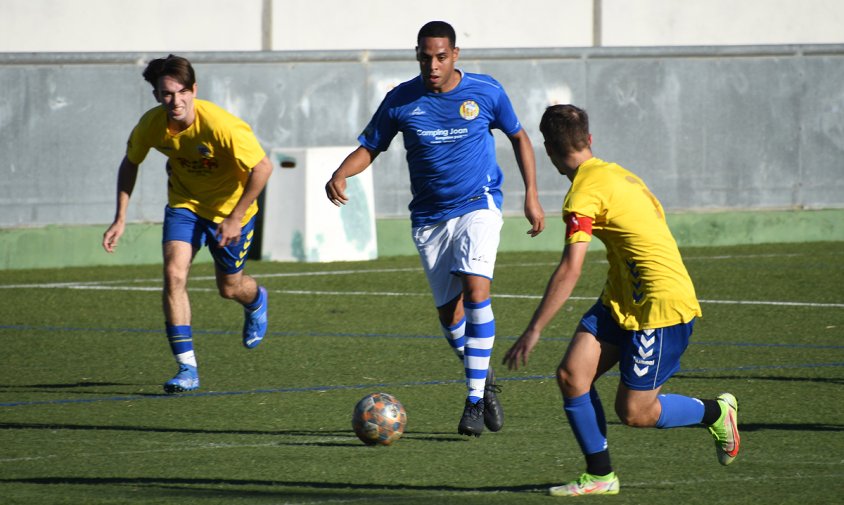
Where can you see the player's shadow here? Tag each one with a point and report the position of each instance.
(82, 388)
(814, 380)
(435, 436)
(83, 384)
(350, 440)
(340, 491)
(153, 429)
(818, 427)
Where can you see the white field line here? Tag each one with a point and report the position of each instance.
(115, 285)
(302, 292)
(78, 285)
(93, 287)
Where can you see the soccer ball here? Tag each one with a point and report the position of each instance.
(379, 418)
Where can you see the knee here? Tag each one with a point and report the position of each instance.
(175, 279)
(636, 416)
(452, 312)
(227, 291)
(568, 383)
(475, 288)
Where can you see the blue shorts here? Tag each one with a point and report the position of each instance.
(647, 358)
(184, 225)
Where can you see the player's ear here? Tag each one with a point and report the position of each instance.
(456, 53)
(549, 149)
(155, 95)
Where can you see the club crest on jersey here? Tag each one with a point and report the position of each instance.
(204, 151)
(469, 110)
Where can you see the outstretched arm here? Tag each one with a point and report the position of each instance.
(523, 149)
(355, 163)
(126, 177)
(559, 289)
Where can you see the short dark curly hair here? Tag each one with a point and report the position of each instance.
(437, 29)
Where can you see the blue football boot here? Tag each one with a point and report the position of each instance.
(186, 380)
(255, 322)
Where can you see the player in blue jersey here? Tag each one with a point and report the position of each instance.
(446, 116)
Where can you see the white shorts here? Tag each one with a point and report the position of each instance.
(460, 246)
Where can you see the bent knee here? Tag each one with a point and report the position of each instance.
(228, 292)
(637, 421)
(570, 384)
(637, 417)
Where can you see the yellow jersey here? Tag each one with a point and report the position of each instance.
(647, 284)
(209, 162)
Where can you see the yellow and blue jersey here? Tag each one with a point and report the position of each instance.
(209, 162)
(647, 283)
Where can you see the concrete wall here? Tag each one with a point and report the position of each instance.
(747, 115)
(284, 25)
(709, 129)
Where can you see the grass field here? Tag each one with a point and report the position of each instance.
(83, 420)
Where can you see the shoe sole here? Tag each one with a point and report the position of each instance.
(468, 432)
(178, 389)
(562, 491)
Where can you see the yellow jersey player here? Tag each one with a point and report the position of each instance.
(642, 321)
(216, 170)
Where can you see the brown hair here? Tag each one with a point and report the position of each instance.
(176, 67)
(565, 128)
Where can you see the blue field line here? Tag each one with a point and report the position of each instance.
(374, 335)
(210, 332)
(386, 385)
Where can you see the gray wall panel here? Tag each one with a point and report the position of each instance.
(707, 128)
(821, 163)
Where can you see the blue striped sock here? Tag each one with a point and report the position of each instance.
(181, 343)
(480, 337)
(456, 336)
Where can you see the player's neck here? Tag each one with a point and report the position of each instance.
(456, 77)
(574, 160)
(175, 127)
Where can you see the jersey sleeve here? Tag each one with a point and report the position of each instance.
(246, 148)
(137, 147)
(381, 129)
(580, 210)
(505, 116)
